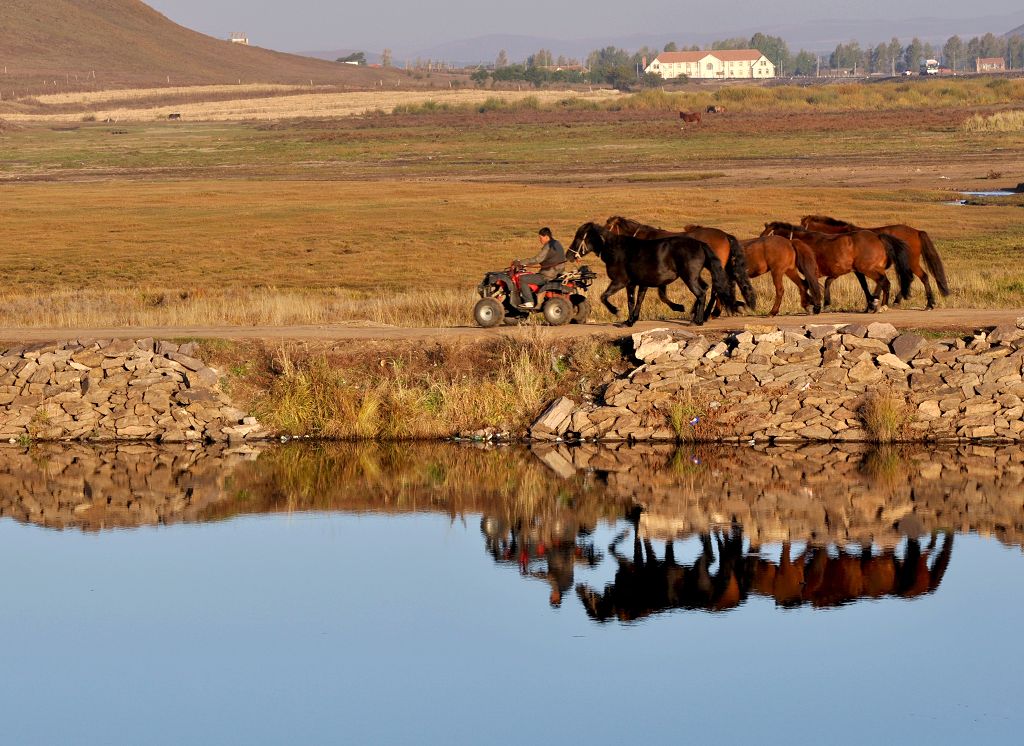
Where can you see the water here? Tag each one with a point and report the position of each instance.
(412, 594)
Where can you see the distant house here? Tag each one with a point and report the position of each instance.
(238, 37)
(990, 65)
(719, 64)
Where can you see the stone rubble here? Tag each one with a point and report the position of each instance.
(766, 384)
(116, 390)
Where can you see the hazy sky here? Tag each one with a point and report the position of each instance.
(296, 25)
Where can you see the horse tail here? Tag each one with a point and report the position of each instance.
(899, 255)
(807, 265)
(934, 262)
(736, 269)
(720, 285)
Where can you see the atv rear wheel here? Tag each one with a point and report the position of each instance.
(582, 308)
(488, 312)
(557, 311)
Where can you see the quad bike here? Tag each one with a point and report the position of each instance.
(562, 300)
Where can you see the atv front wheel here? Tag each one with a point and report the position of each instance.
(557, 311)
(488, 312)
(582, 308)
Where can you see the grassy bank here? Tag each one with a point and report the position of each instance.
(405, 390)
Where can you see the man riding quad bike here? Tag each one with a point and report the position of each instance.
(510, 296)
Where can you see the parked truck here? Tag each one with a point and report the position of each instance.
(930, 67)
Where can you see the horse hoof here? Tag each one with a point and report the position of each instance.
(816, 309)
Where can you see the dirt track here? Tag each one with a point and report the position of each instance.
(941, 319)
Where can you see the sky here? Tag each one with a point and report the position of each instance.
(302, 25)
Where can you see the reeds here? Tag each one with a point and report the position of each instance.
(886, 416)
(1001, 121)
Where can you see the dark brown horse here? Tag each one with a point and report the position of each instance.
(636, 265)
(864, 253)
(714, 109)
(725, 246)
(784, 258)
(692, 117)
(919, 244)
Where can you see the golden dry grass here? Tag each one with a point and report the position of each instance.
(1003, 121)
(318, 104)
(92, 98)
(392, 253)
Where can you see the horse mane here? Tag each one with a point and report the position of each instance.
(828, 221)
(627, 224)
(691, 227)
(781, 225)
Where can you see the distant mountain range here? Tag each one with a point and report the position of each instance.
(815, 36)
(1019, 31)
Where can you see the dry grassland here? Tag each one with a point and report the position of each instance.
(394, 253)
(198, 92)
(254, 107)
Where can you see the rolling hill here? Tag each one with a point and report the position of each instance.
(128, 44)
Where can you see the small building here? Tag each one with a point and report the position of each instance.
(990, 65)
(718, 64)
(237, 37)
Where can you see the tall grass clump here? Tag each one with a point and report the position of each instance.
(886, 416)
(1002, 121)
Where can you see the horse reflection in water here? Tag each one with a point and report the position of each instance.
(646, 585)
(548, 551)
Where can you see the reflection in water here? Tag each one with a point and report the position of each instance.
(849, 521)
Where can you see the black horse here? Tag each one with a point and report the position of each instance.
(637, 264)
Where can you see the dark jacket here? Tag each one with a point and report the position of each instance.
(551, 259)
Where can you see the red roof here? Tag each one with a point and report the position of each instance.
(725, 55)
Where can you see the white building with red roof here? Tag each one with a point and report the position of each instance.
(717, 64)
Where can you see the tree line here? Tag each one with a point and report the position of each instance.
(621, 68)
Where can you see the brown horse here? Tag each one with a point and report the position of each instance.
(724, 245)
(784, 258)
(692, 117)
(864, 253)
(919, 244)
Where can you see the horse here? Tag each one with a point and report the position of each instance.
(636, 264)
(785, 258)
(918, 242)
(713, 109)
(725, 246)
(864, 253)
(691, 117)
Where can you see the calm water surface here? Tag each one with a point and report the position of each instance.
(414, 594)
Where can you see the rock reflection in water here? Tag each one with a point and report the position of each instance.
(849, 520)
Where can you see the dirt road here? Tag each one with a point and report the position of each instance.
(942, 319)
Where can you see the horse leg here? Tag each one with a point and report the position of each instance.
(882, 287)
(779, 292)
(663, 295)
(828, 292)
(872, 301)
(698, 287)
(614, 287)
(634, 314)
(927, 290)
(801, 285)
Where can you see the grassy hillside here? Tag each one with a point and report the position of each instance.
(128, 44)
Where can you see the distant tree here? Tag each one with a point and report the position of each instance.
(992, 46)
(502, 59)
(541, 59)
(358, 57)
(1015, 52)
(893, 55)
(611, 65)
(737, 42)
(385, 58)
(913, 55)
(561, 61)
(953, 53)
(775, 49)
(805, 63)
(670, 47)
(846, 56)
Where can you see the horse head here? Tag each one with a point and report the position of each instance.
(588, 238)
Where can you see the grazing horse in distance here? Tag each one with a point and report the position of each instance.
(785, 258)
(919, 244)
(691, 117)
(636, 265)
(725, 245)
(715, 109)
(864, 253)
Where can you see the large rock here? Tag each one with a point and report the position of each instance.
(554, 419)
(906, 346)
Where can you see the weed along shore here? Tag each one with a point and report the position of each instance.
(759, 384)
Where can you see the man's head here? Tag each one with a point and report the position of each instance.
(545, 234)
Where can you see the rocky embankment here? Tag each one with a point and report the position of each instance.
(116, 390)
(818, 383)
